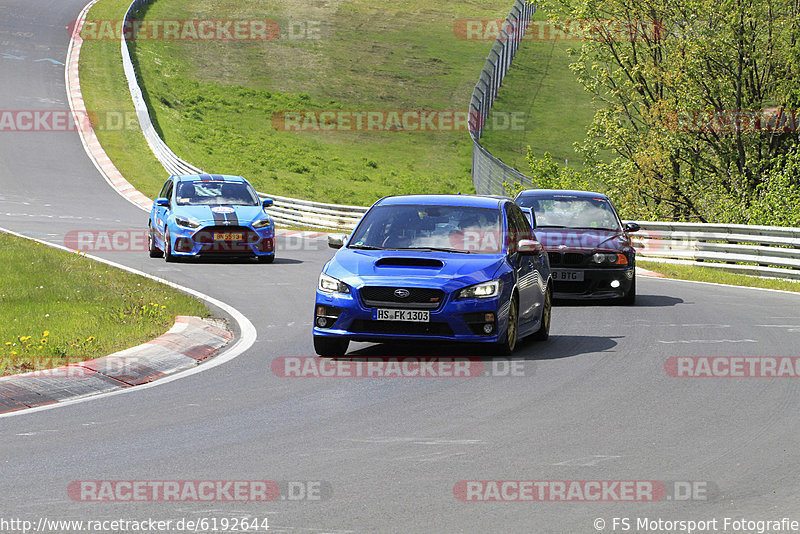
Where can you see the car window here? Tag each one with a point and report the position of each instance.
(168, 193)
(215, 193)
(457, 228)
(165, 190)
(518, 227)
(572, 211)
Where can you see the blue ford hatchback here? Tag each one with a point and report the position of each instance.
(210, 215)
(435, 267)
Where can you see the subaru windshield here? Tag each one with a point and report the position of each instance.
(430, 227)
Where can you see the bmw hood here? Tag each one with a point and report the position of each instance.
(383, 267)
(555, 239)
(213, 215)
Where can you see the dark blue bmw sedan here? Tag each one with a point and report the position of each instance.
(435, 267)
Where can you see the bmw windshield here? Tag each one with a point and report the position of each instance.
(572, 211)
(215, 193)
(430, 227)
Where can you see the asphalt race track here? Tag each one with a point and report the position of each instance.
(592, 403)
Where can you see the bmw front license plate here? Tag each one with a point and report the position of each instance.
(563, 275)
(227, 236)
(412, 316)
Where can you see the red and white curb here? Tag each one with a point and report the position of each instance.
(85, 130)
(190, 341)
(650, 274)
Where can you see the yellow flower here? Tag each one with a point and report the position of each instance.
(24, 338)
(28, 346)
(46, 333)
(163, 307)
(13, 352)
(39, 347)
(8, 343)
(90, 338)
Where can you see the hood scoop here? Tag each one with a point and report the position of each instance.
(409, 262)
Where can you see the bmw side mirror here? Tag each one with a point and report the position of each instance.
(632, 227)
(529, 246)
(336, 240)
(267, 202)
(162, 202)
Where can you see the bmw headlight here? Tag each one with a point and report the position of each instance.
(329, 284)
(186, 222)
(483, 290)
(609, 259)
(261, 223)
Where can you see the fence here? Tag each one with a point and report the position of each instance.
(759, 250)
(488, 172)
(769, 251)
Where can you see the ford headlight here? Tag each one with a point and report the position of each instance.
(483, 290)
(186, 222)
(261, 223)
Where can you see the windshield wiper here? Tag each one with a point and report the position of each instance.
(436, 249)
(594, 228)
(550, 226)
(365, 247)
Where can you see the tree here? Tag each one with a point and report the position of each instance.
(695, 100)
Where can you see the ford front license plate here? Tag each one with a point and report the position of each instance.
(412, 316)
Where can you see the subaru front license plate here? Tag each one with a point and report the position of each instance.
(412, 316)
(562, 275)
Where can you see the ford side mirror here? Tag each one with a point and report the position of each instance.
(336, 240)
(267, 202)
(162, 202)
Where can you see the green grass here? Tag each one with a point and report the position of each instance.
(79, 310)
(719, 276)
(212, 101)
(556, 109)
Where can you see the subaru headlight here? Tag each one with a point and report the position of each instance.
(261, 223)
(483, 290)
(186, 222)
(329, 284)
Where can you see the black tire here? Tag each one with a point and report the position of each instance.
(330, 346)
(168, 257)
(629, 299)
(544, 330)
(266, 259)
(506, 347)
(154, 251)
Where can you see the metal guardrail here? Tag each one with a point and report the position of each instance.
(769, 251)
(285, 210)
(488, 172)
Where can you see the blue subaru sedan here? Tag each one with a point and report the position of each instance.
(438, 268)
(210, 215)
